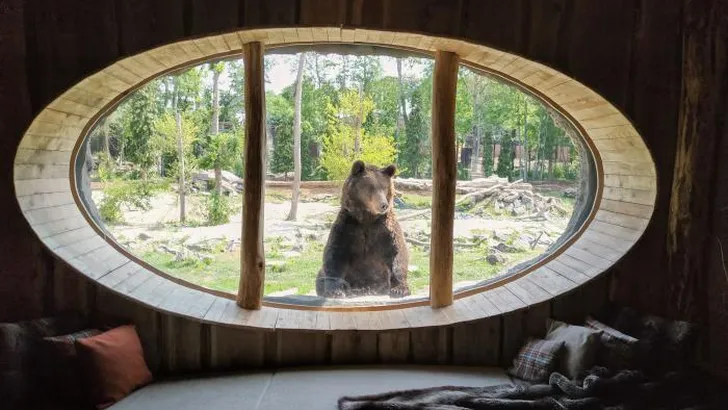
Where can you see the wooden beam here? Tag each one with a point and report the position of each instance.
(252, 264)
(444, 166)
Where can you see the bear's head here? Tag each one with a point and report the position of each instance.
(368, 191)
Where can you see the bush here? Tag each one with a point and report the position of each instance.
(463, 173)
(218, 209)
(572, 169)
(132, 194)
(558, 171)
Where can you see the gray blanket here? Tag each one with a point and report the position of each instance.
(598, 390)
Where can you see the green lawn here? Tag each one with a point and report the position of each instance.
(223, 272)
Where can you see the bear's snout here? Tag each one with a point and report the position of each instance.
(383, 207)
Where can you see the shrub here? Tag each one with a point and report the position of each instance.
(218, 209)
(132, 194)
(463, 173)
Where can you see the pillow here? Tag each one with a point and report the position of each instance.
(61, 372)
(580, 347)
(536, 360)
(618, 351)
(114, 364)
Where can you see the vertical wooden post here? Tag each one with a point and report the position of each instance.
(252, 257)
(444, 175)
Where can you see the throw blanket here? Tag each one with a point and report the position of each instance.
(598, 390)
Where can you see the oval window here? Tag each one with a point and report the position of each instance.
(162, 174)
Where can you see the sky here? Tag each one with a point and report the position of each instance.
(283, 72)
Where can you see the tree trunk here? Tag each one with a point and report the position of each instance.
(297, 140)
(402, 100)
(216, 125)
(180, 160)
(524, 146)
(215, 102)
(359, 122)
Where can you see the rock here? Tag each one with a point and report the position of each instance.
(502, 247)
(570, 192)
(143, 237)
(292, 254)
(518, 211)
(495, 258)
(413, 268)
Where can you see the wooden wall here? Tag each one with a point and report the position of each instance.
(630, 51)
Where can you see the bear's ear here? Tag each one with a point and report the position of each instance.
(357, 167)
(390, 170)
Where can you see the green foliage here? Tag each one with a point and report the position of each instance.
(506, 157)
(280, 123)
(165, 138)
(138, 115)
(129, 194)
(339, 143)
(105, 168)
(218, 209)
(487, 148)
(414, 158)
(222, 150)
(463, 172)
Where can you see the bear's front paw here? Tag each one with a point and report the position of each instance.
(399, 291)
(335, 294)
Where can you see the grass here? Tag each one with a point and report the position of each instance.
(223, 271)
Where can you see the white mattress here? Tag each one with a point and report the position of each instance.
(301, 388)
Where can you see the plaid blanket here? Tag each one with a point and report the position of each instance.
(598, 390)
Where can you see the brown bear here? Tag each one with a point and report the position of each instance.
(366, 253)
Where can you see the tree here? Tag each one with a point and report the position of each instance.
(183, 93)
(339, 143)
(175, 134)
(280, 123)
(137, 124)
(217, 69)
(507, 155)
(297, 140)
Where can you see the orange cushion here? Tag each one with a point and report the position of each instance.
(113, 364)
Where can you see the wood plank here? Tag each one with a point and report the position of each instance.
(236, 348)
(638, 210)
(252, 271)
(353, 347)
(35, 156)
(37, 171)
(444, 165)
(626, 221)
(394, 346)
(431, 345)
(616, 231)
(269, 13)
(630, 195)
(655, 93)
(39, 201)
(701, 130)
(299, 348)
(513, 336)
(485, 334)
(222, 17)
(182, 344)
(149, 23)
(535, 320)
(550, 281)
(323, 12)
(34, 186)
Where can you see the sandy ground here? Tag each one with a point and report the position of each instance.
(158, 222)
